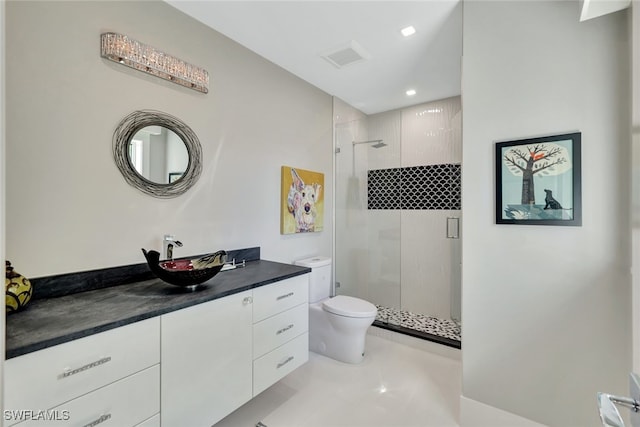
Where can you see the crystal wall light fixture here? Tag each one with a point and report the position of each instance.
(126, 51)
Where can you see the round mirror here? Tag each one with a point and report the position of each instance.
(157, 153)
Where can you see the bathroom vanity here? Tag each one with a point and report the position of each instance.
(144, 354)
(218, 355)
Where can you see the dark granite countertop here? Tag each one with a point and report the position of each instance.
(51, 321)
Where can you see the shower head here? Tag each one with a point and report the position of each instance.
(377, 143)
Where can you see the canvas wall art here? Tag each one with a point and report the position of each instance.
(301, 201)
(538, 181)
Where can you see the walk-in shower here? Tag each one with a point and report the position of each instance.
(397, 237)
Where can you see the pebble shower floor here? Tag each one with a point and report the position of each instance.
(430, 325)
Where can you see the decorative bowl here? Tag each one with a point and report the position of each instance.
(187, 273)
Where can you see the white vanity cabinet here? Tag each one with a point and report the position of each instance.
(206, 361)
(280, 330)
(217, 355)
(89, 379)
(188, 367)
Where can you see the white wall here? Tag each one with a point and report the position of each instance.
(177, 155)
(384, 226)
(635, 55)
(68, 207)
(546, 310)
(2, 189)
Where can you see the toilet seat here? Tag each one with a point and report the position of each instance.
(343, 305)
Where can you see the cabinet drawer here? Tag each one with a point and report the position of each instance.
(278, 297)
(277, 330)
(124, 403)
(273, 366)
(49, 377)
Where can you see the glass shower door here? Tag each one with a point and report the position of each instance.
(367, 240)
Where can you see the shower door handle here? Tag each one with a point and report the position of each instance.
(453, 228)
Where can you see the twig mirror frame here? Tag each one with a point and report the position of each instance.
(140, 119)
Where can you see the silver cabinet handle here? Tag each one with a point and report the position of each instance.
(100, 420)
(284, 362)
(247, 300)
(68, 371)
(285, 329)
(290, 294)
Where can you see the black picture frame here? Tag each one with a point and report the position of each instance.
(538, 180)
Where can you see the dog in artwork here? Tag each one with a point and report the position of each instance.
(301, 203)
(550, 202)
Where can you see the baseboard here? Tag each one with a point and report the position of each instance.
(478, 414)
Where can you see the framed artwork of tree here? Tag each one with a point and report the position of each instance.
(538, 181)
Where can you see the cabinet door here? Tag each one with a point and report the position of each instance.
(206, 361)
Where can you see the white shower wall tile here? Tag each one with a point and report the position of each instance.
(351, 227)
(360, 275)
(432, 133)
(426, 262)
(387, 127)
(345, 113)
(384, 257)
(351, 197)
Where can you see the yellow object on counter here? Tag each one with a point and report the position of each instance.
(18, 289)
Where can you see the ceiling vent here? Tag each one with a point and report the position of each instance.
(346, 55)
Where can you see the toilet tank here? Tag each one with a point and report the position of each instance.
(320, 278)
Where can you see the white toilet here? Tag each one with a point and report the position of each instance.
(338, 325)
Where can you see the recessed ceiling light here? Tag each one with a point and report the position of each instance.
(408, 31)
(410, 92)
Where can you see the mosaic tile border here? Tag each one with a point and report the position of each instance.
(431, 328)
(427, 187)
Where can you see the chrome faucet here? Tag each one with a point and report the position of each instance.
(168, 242)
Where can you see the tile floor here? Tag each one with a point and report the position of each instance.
(402, 382)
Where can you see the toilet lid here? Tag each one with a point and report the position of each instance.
(349, 306)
